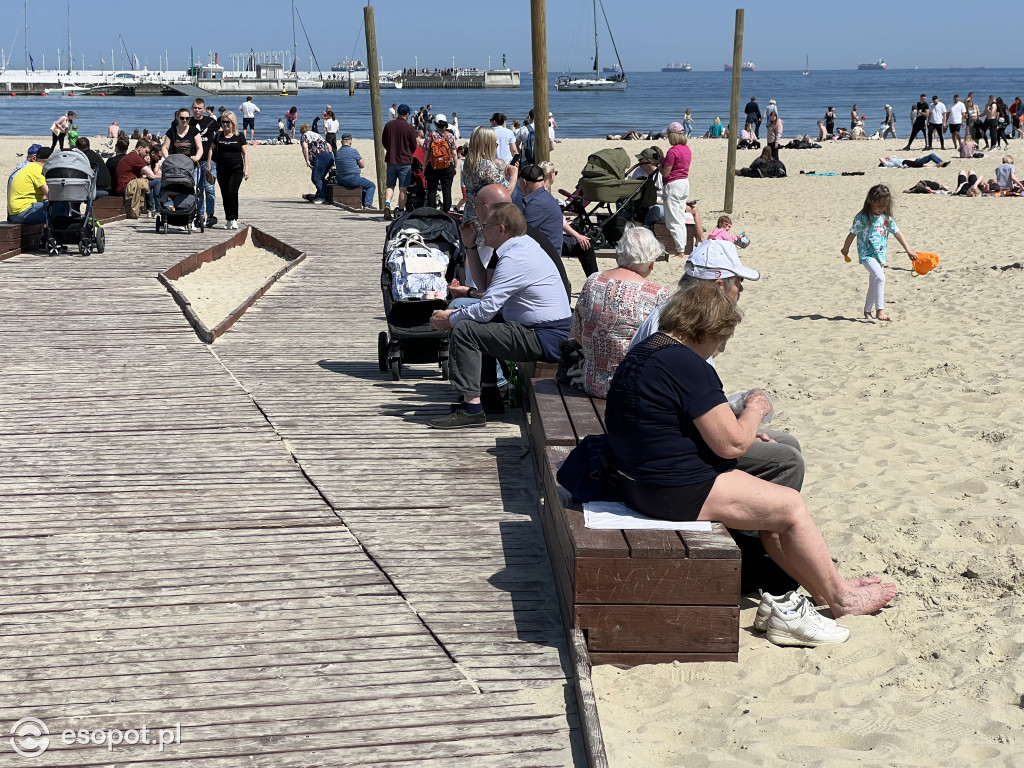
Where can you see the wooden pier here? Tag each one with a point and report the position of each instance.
(260, 540)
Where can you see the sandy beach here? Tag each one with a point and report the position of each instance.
(912, 437)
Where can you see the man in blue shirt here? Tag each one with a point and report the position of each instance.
(540, 209)
(527, 291)
(348, 163)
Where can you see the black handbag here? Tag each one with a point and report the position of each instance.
(588, 472)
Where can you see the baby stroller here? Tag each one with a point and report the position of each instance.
(613, 200)
(422, 252)
(177, 204)
(70, 179)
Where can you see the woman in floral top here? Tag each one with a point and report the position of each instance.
(480, 168)
(612, 305)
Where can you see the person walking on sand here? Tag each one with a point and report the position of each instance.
(919, 119)
(889, 123)
(937, 116)
(249, 112)
(854, 118)
(871, 229)
(230, 155)
(751, 110)
(830, 121)
(60, 129)
(400, 142)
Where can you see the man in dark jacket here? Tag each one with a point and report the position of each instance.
(753, 113)
(98, 166)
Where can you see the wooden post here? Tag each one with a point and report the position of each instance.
(734, 111)
(539, 30)
(378, 123)
(351, 84)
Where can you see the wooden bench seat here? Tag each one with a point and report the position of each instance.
(351, 197)
(661, 232)
(17, 238)
(639, 597)
(108, 208)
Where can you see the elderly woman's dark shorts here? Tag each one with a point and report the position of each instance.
(679, 503)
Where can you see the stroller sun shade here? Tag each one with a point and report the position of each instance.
(69, 177)
(178, 172)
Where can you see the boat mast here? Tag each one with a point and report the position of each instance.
(295, 49)
(597, 61)
(26, 36)
(70, 59)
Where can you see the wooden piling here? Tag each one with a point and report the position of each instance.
(734, 111)
(373, 73)
(539, 30)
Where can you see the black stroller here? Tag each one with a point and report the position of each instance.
(422, 252)
(70, 179)
(177, 204)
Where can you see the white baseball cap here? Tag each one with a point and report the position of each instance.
(441, 119)
(717, 259)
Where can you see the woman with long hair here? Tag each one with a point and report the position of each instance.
(231, 154)
(481, 168)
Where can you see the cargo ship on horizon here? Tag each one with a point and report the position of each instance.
(748, 66)
(880, 64)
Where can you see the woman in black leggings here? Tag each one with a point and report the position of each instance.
(230, 153)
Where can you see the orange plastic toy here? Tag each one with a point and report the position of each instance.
(925, 262)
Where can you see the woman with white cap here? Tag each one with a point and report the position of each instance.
(675, 176)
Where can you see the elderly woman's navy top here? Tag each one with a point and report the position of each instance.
(660, 387)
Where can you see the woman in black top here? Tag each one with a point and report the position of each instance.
(184, 138)
(676, 440)
(231, 154)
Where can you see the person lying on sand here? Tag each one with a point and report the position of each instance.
(628, 136)
(926, 187)
(921, 162)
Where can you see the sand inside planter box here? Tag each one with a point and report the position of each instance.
(218, 287)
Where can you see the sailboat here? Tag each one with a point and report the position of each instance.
(807, 65)
(614, 82)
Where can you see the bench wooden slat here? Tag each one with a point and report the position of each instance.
(550, 424)
(666, 581)
(654, 544)
(581, 412)
(626, 659)
(717, 545)
(660, 627)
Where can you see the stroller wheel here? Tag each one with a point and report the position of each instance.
(382, 351)
(52, 247)
(84, 248)
(101, 240)
(396, 368)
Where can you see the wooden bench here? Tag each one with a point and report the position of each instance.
(661, 232)
(351, 197)
(108, 208)
(639, 597)
(16, 238)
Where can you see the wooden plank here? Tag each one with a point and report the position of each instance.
(551, 424)
(717, 545)
(581, 412)
(626, 660)
(668, 581)
(589, 718)
(660, 628)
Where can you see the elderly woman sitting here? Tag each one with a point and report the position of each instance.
(612, 305)
(675, 441)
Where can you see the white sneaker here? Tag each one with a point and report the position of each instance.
(787, 601)
(803, 626)
(234, 223)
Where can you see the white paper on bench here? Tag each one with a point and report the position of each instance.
(617, 516)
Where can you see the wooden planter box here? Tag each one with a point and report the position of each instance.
(192, 263)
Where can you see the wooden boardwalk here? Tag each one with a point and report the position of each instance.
(260, 540)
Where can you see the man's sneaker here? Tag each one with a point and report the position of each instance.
(787, 601)
(460, 419)
(211, 220)
(803, 626)
(387, 212)
(318, 201)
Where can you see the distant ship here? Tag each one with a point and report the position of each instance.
(614, 69)
(676, 68)
(349, 65)
(880, 64)
(748, 66)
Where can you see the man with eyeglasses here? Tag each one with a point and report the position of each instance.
(527, 291)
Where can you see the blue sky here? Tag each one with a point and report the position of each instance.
(777, 35)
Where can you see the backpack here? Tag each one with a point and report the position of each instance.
(440, 153)
(530, 143)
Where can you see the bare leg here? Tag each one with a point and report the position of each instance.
(741, 501)
(774, 549)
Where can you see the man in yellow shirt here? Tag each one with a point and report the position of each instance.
(26, 196)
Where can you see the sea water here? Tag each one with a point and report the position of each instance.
(652, 101)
